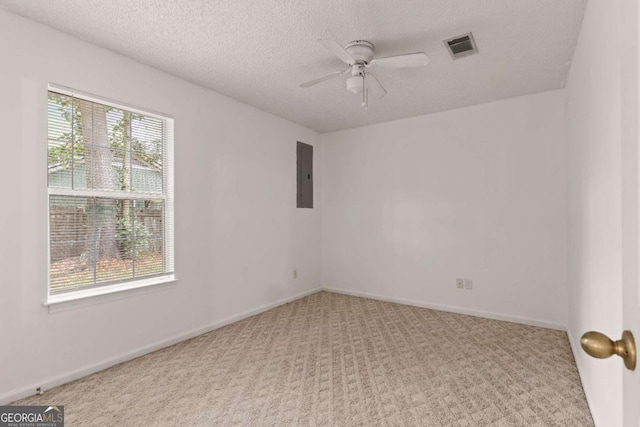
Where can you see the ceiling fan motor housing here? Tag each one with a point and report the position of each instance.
(360, 50)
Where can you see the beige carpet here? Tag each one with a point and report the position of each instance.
(331, 359)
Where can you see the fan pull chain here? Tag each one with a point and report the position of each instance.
(365, 92)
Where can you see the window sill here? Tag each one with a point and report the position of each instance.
(62, 302)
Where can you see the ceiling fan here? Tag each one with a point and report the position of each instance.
(359, 56)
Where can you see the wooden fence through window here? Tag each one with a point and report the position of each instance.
(68, 231)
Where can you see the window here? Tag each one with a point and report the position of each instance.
(110, 188)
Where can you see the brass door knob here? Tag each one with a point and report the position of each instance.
(600, 346)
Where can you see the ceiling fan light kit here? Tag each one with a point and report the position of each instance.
(359, 55)
(355, 84)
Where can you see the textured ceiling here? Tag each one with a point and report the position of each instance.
(259, 51)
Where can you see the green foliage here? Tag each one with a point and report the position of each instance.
(70, 142)
(126, 235)
(65, 109)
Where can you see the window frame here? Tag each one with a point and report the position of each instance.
(167, 196)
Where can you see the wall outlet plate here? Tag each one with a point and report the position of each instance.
(460, 283)
(468, 284)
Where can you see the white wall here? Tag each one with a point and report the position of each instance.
(478, 192)
(238, 232)
(594, 210)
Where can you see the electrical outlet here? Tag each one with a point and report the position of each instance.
(468, 284)
(295, 273)
(460, 283)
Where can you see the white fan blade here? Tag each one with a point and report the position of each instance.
(375, 88)
(336, 49)
(323, 78)
(418, 59)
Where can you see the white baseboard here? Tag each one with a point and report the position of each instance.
(576, 351)
(452, 309)
(47, 384)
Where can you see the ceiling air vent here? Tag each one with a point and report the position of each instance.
(461, 46)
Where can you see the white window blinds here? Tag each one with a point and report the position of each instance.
(110, 186)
